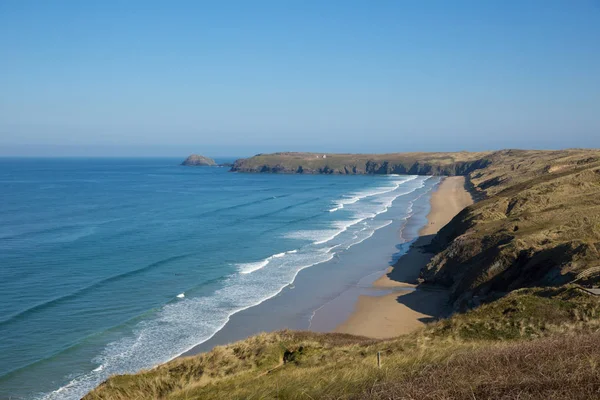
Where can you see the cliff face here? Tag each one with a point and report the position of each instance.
(198, 160)
(396, 163)
(538, 226)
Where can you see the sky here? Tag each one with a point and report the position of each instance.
(234, 78)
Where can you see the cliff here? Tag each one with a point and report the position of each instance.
(198, 160)
(460, 163)
(539, 225)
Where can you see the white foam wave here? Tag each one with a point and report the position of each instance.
(318, 237)
(342, 226)
(356, 197)
(362, 237)
(180, 326)
(314, 236)
(247, 268)
(387, 202)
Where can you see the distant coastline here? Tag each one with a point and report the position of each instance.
(442, 164)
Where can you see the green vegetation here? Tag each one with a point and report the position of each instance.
(532, 344)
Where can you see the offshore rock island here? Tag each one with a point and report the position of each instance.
(196, 160)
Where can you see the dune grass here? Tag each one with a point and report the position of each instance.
(531, 344)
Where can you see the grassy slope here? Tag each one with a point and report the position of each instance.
(539, 226)
(533, 344)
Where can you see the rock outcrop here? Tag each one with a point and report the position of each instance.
(198, 160)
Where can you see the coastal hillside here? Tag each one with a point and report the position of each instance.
(460, 163)
(537, 222)
(532, 344)
(539, 225)
(488, 169)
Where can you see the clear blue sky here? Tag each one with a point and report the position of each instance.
(240, 77)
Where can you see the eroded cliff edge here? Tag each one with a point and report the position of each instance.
(460, 163)
(538, 225)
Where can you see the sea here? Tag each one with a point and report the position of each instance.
(113, 265)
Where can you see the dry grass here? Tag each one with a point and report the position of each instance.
(538, 228)
(533, 344)
(563, 367)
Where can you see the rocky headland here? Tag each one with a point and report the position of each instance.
(359, 164)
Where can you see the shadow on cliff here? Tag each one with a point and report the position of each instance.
(429, 300)
(408, 266)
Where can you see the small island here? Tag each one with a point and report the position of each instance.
(196, 160)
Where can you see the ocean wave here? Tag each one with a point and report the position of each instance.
(236, 206)
(291, 206)
(341, 227)
(387, 203)
(362, 237)
(57, 300)
(180, 326)
(364, 213)
(56, 233)
(356, 197)
(248, 268)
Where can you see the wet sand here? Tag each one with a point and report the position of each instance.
(385, 314)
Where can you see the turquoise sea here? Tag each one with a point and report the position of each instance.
(114, 265)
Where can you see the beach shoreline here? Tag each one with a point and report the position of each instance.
(396, 304)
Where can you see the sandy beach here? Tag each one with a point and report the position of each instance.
(408, 307)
